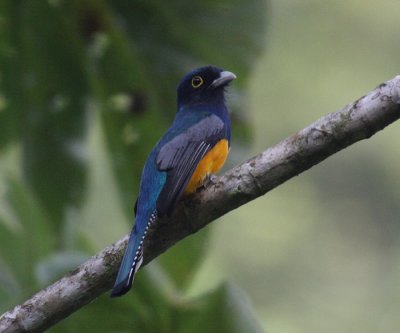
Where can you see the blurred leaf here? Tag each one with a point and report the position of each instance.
(33, 241)
(10, 287)
(10, 247)
(54, 95)
(9, 290)
(146, 308)
(224, 310)
(23, 243)
(33, 218)
(10, 73)
(57, 264)
(183, 259)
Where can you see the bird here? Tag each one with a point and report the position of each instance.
(194, 147)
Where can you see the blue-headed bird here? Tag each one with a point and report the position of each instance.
(194, 147)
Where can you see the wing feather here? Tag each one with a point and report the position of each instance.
(180, 156)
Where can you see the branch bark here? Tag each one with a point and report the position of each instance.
(253, 178)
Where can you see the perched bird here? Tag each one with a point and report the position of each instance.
(195, 146)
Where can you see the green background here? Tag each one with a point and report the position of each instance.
(87, 87)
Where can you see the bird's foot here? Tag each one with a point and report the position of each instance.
(210, 179)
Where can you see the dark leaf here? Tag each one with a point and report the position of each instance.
(226, 309)
(53, 98)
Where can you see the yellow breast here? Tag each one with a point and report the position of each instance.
(211, 163)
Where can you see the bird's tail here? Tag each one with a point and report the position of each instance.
(133, 259)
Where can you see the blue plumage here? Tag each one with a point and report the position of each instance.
(201, 121)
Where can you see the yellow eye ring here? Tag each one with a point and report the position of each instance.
(197, 81)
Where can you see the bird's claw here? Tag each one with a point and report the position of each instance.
(211, 179)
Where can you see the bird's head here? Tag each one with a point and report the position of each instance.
(203, 85)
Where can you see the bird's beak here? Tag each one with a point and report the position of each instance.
(224, 78)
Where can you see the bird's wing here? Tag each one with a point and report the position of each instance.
(180, 156)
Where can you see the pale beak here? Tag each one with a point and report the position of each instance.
(224, 78)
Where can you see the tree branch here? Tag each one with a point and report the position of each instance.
(245, 182)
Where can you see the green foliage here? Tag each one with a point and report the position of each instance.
(156, 307)
(222, 310)
(321, 253)
(70, 69)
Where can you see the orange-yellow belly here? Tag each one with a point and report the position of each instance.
(211, 163)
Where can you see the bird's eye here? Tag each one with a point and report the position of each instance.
(197, 81)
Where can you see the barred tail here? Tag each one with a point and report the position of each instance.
(131, 262)
(133, 259)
